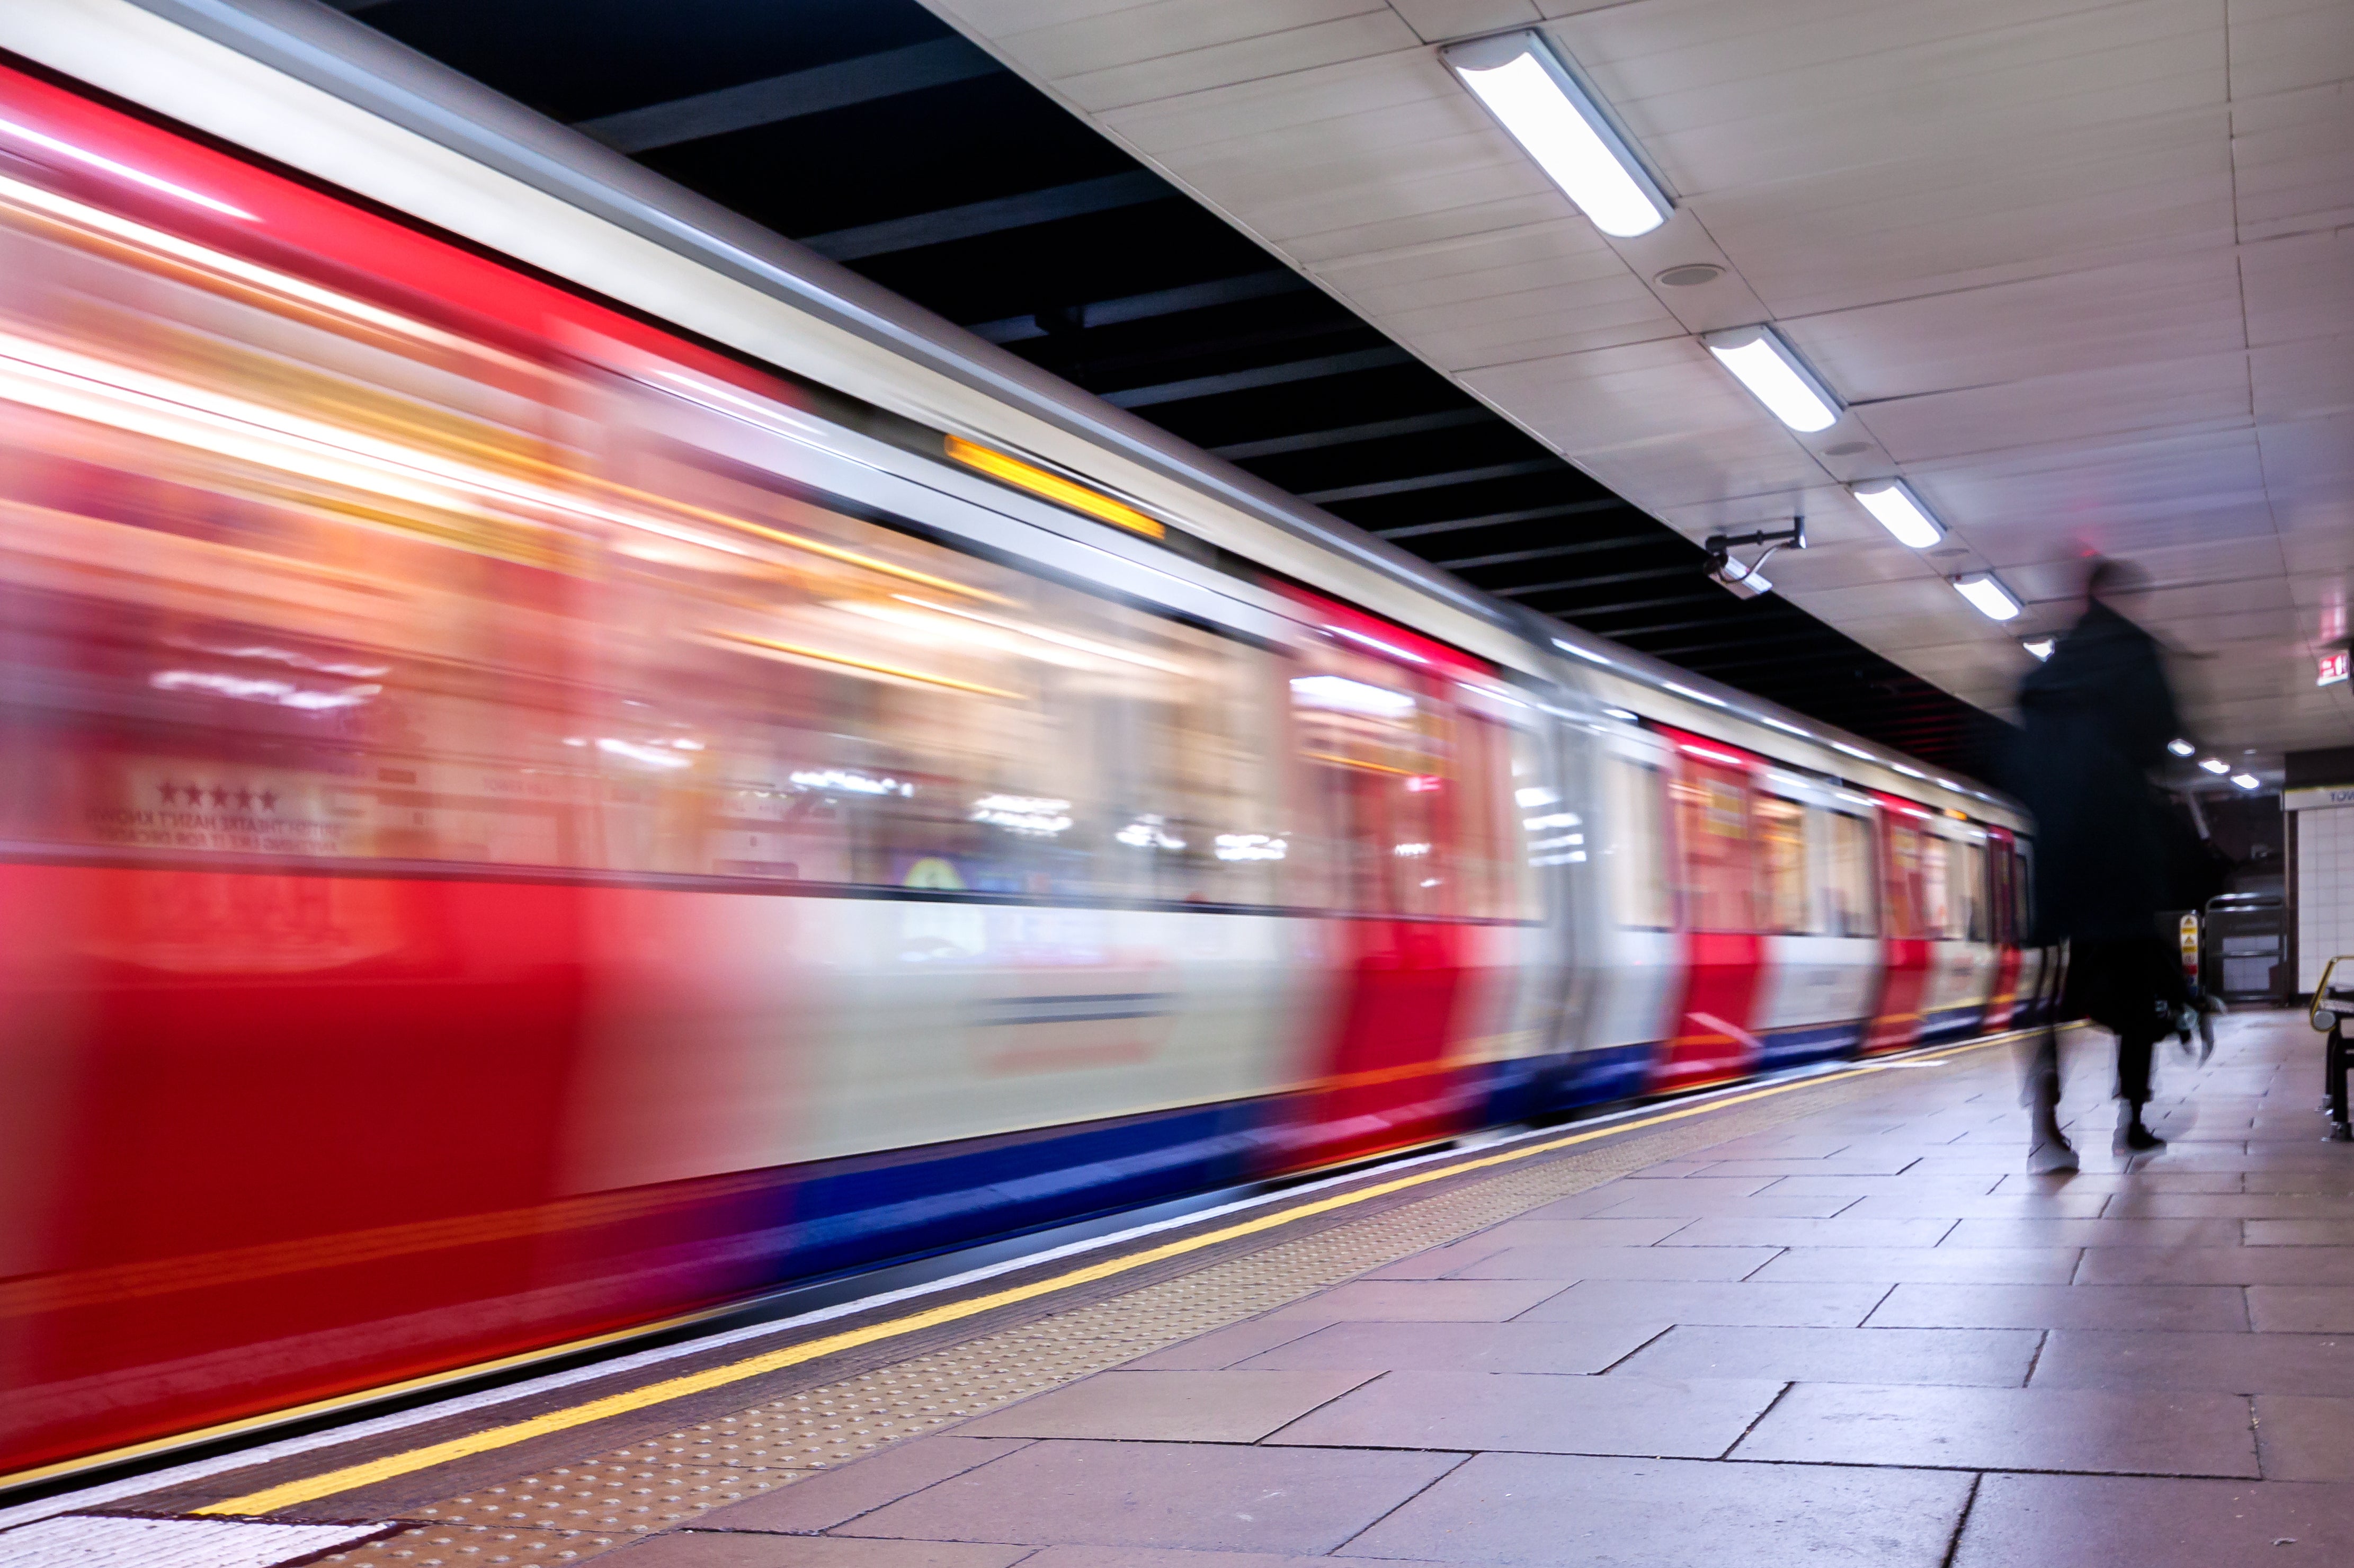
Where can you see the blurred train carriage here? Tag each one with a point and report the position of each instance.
(518, 824)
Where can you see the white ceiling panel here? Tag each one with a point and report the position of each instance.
(2289, 153)
(2081, 266)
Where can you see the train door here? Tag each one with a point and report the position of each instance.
(1820, 969)
(1714, 837)
(1400, 780)
(2002, 928)
(1903, 941)
(1955, 922)
(1636, 954)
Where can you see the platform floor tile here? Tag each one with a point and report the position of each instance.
(1541, 1511)
(2171, 1433)
(1197, 1495)
(2069, 1521)
(1999, 1357)
(1698, 1418)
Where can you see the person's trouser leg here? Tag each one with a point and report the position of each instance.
(2135, 1049)
(2047, 1147)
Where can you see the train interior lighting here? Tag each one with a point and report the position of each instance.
(2040, 647)
(2247, 780)
(2182, 748)
(2215, 765)
(1523, 83)
(1775, 376)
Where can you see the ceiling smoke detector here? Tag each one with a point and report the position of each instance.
(1691, 274)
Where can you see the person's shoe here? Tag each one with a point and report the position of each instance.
(2052, 1156)
(2136, 1139)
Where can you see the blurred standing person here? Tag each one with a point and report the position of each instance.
(2096, 717)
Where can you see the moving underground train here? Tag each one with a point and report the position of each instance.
(521, 822)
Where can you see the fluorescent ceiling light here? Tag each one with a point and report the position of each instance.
(2214, 765)
(1898, 511)
(2247, 780)
(1531, 94)
(1987, 595)
(1776, 377)
(2039, 646)
(2180, 748)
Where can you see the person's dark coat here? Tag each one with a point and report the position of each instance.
(2096, 716)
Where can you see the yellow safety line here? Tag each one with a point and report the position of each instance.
(368, 1472)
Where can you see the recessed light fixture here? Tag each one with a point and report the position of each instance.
(1691, 275)
(2039, 646)
(2214, 765)
(1987, 595)
(1776, 377)
(1846, 448)
(1556, 122)
(1900, 512)
(2180, 748)
(2247, 780)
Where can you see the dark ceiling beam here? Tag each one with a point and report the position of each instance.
(1265, 376)
(1582, 547)
(1142, 307)
(1497, 519)
(1432, 481)
(1625, 633)
(789, 96)
(1583, 613)
(1347, 435)
(994, 216)
(1605, 582)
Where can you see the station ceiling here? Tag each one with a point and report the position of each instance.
(2083, 270)
(1278, 229)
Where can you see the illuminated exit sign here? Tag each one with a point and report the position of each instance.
(2333, 668)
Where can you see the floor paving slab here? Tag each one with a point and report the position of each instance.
(1736, 1304)
(2168, 1434)
(1995, 1357)
(2121, 1182)
(2229, 1363)
(1543, 1511)
(1931, 1203)
(1170, 1406)
(2074, 1521)
(1223, 1347)
(2217, 1266)
(2297, 1233)
(1485, 1300)
(2094, 1232)
(1590, 1263)
(1198, 1497)
(838, 1496)
(1969, 1266)
(1839, 1232)
(1663, 1199)
(2302, 1309)
(1697, 1419)
(2225, 1206)
(698, 1549)
(1558, 1348)
(1606, 1229)
(2187, 1308)
(2304, 1438)
(1830, 1166)
(1158, 1557)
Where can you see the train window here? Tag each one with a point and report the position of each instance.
(1901, 885)
(1712, 838)
(1851, 905)
(1936, 895)
(1380, 767)
(1782, 850)
(1635, 853)
(1966, 891)
(533, 621)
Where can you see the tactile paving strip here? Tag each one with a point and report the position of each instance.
(572, 1512)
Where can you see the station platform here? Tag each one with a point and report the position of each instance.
(1823, 1320)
